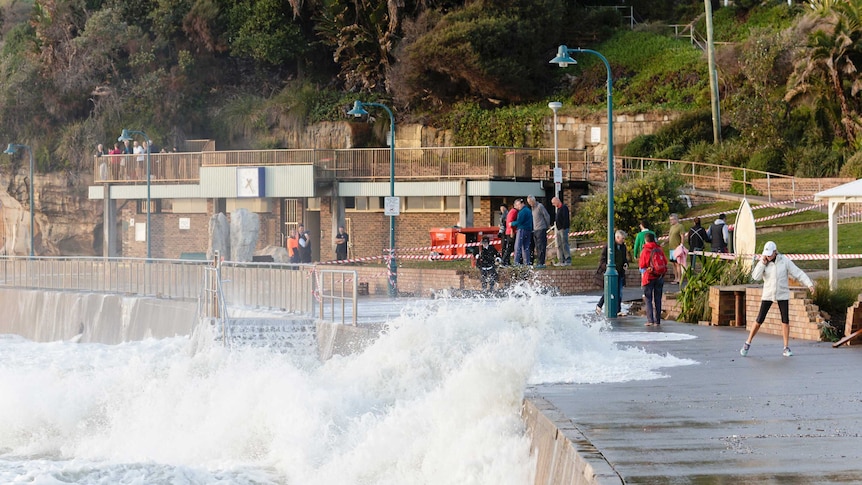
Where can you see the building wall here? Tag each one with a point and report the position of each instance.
(369, 231)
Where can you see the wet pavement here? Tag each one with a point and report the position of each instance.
(764, 418)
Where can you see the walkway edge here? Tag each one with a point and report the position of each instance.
(564, 456)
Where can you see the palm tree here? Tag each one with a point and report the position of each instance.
(829, 60)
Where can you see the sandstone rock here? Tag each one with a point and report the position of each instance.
(219, 236)
(278, 253)
(244, 231)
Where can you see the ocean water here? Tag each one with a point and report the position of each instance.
(435, 400)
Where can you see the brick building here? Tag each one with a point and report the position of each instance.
(321, 188)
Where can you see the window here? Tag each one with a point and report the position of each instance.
(424, 204)
(313, 204)
(365, 204)
(155, 206)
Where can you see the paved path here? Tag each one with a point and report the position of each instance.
(759, 419)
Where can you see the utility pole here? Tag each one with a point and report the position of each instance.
(713, 75)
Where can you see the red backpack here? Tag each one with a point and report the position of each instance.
(657, 264)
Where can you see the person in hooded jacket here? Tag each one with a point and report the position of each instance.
(719, 235)
(775, 269)
(487, 260)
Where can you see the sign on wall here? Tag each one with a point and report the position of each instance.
(185, 223)
(140, 231)
(250, 182)
(595, 134)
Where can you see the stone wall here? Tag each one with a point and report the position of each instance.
(424, 282)
(805, 319)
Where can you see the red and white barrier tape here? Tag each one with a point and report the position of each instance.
(496, 242)
(762, 206)
(795, 257)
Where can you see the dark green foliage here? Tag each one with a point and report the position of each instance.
(853, 166)
(694, 296)
(835, 303)
(265, 31)
(474, 126)
(766, 160)
(812, 161)
(640, 146)
(652, 197)
(482, 50)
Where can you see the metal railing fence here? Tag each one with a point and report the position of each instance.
(720, 178)
(337, 288)
(279, 286)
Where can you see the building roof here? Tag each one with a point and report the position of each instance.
(849, 192)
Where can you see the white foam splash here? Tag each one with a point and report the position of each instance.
(434, 400)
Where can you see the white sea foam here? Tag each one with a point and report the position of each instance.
(434, 400)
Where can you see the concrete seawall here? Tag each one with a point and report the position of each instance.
(563, 455)
(45, 316)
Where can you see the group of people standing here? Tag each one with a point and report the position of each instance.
(126, 167)
(524, 232)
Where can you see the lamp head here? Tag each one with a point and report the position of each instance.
(125, 136)
(11, 149)
(555, 105)
(357, 111)
(563, 58)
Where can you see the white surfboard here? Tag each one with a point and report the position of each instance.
(744, 235)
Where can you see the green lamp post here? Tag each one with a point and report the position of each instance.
(612, 289)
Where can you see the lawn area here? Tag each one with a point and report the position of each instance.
(816, 241)
(727, 206)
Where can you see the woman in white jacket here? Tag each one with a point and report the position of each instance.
(775, 269)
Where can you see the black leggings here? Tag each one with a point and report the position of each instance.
(783, 308)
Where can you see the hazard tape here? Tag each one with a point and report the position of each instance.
(496, 242)
(762, 206)
(792, 256)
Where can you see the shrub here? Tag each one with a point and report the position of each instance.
(672, 152)
(853, 166)
(699, 152)
(733, 153)
(812, 161)
(835, 303)
(640, 146)
(652, 197)
(694, 296)
(766, 160)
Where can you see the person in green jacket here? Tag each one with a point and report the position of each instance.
(639, 238)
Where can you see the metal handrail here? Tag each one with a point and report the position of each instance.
(338, 280)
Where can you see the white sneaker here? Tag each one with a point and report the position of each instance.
(787, 352)
(744, 350)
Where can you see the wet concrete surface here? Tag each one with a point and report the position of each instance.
(764, 418)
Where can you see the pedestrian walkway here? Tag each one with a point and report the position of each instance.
(728, 419)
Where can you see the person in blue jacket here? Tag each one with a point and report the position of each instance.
(524, 240)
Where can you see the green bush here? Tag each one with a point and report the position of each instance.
(699, 152)
(652, 197)
(853, 166)
(812, 161)
(672, 152)
(766, 160)
(694, 296)
(516, 126)
(732, 153)
(835, 303)
(640, 146)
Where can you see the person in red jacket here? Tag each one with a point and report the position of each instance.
(652, 279)
(509, 241)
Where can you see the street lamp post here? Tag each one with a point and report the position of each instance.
(612, 289)
(359, 111)
(12, 149)
(558, 179)
(127, 136)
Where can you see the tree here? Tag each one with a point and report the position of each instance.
(827, 65)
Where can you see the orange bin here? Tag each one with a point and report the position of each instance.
(461, 235)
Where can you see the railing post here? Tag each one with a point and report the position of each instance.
(718, 178)
(744, 182)
(355, 296)
(769, 187)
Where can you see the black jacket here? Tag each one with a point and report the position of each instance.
(562, 219)
(487, 257)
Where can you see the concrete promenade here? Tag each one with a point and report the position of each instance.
(729, 419)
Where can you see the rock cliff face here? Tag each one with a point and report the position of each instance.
(67, 222)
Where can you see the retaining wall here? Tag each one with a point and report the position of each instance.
(45, 316)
